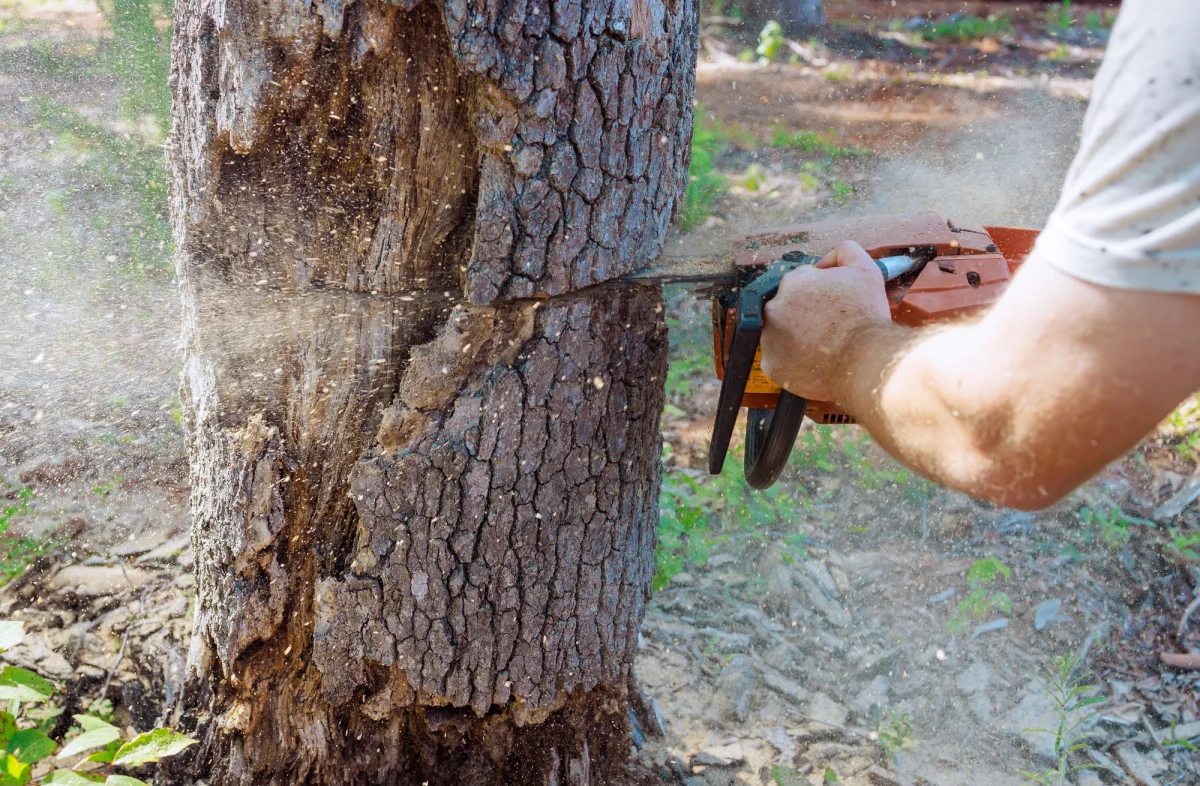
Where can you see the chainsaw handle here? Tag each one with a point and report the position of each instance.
(767, 450)
(770, 436)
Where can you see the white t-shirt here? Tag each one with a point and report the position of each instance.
(1129, 214)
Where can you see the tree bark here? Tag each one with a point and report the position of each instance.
(423, 430)
(798, 18)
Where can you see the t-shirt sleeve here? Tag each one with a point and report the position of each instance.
(1129, 214)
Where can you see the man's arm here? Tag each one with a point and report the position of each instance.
(1059, 378)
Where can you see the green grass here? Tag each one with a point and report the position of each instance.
(17, 552)
(813, 142)
(699, 511)
(705, 183)
(139, 56)
(966, 28)
(843, 192)
(110, 161)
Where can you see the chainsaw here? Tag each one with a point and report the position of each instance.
(935, 269)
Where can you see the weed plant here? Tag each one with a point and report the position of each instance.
(1065, 681)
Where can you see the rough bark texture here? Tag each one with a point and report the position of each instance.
(424, 445)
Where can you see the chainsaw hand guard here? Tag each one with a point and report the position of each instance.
(769, 438)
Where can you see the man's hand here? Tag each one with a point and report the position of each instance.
(812, 320)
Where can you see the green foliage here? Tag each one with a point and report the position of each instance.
(813, 142)
(966, 27)
(150, 747)
(771, 43)
(787, 776)
(1060, 53)
(1189, 448)
(1064, 679)
(830, 776)
(985, 571)
(139, 56)
(982, 600)
(1185, 545)
(17, 552)
(685, 527)
(119, 165)
(897, 734)
(26, 743)
(698, 511)
(842, 192)
(1113, 525)
(9, 512)
(754, 178)
(814, 449)
(705, 183)
(1061, 15)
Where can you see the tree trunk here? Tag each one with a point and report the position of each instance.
(423, 430)
(798, 18)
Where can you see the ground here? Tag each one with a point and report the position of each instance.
(852, 623)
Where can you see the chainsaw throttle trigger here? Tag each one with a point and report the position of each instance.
(767, 448)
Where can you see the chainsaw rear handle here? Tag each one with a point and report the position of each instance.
(769, 437)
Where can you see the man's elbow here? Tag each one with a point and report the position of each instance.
(1028, 489)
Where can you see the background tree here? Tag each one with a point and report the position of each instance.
(799, 18)
(424, 444)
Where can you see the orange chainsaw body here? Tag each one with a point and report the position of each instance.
(968, 268)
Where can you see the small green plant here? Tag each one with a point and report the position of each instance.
(685, 527)
(1113, 524)
(1185, 544)
(771, 43)
(897, 734)
(25, 742)
(1065, 681)
(982, 599)
(1189, 448)
(787, 776)
(1061, 15)
(842, 192)
(107, 487)
(830, 776)
(1061, 52)
(754, 178)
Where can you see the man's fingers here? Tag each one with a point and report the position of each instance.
(846, 254)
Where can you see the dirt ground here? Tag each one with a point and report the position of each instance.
(835, 628)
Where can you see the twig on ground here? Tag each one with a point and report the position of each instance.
(1181, 660)
(1146, 722)
(1183, 621)
(852, 732)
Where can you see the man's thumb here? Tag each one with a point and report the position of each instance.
(847, 254)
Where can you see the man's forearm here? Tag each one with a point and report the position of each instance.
(906, 387)
(1059, 378)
